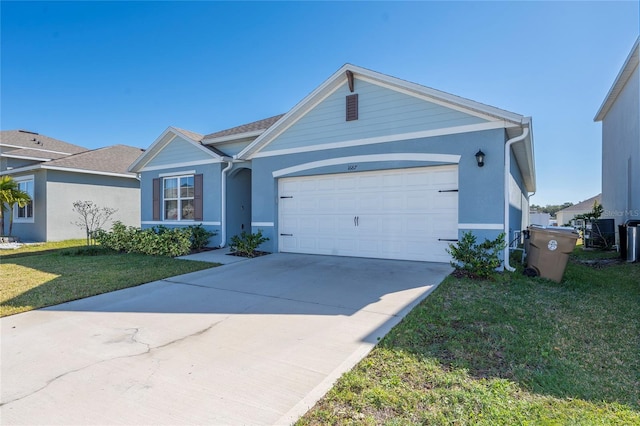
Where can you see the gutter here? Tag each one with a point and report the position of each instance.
(223, 203)
(507, 174)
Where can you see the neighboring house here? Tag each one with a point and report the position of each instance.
(566, 215)
(620, 117)
(542, 219)
(366, 165)
(56, 174)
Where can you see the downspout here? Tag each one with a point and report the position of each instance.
(507, 174)
(223, 204)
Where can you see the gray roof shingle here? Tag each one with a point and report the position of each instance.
(111, 159)
(38, 146)
(32, 153)
(263, 124)
(193, 135)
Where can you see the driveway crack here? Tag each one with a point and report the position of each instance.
(133, 338)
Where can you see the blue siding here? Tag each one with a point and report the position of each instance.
(211, 197)
(232, 148)
(382, 112)
(238, 202)
(480, 188)
(178, 151)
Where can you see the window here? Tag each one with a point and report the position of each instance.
(178, 194)
(25, 214)
(177, 197)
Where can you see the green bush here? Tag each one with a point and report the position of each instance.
(247, 244)
(199, 237)
(477, 260)
(156, 241)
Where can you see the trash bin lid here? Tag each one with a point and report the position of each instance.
(632, 222)
(568, 229)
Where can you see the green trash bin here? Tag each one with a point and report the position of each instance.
(549, 249)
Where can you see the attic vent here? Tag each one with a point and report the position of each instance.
(352, 107)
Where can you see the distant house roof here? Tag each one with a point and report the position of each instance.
(31, 154)
(249, 129)
(630, 65)
(114, 159)
(584, 206)
(54, 154)
(26, 144)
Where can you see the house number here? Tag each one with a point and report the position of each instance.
(352, 167)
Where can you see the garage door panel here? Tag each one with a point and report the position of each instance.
(395, 214)
(345, 182)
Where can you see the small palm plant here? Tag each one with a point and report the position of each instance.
(10, 195)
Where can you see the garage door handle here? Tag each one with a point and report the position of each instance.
(286, 235)
(356, 221)
(448, 190)
(448, 239)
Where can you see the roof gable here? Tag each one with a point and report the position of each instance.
(383, 112)
(175, 146)
(339, 79)
(629, 66)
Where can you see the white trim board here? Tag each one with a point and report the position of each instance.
(497, 226)
(178, 222)
(89, 172)
(389, 138)
(22, 157)
(440, 158)
(40, 149)
(185, 164)
(258, 224)
(179, 173)
(66, 169)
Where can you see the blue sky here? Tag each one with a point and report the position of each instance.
(102, 73)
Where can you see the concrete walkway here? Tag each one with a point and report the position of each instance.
(253, 342)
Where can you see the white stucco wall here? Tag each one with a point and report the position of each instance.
(621, 154)
(120, 193)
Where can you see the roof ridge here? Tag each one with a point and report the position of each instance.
(253, 125)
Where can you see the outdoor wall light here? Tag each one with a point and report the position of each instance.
(480, 158)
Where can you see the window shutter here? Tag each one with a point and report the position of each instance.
(352, 107)
(197, 197)
(156, 199)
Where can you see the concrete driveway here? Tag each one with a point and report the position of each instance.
(254, 342)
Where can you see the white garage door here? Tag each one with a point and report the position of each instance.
(407, 214)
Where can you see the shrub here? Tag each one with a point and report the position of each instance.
(199, 237)
(156, 241)
(247, 244)
(477, 260)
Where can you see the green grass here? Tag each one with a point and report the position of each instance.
(516, 350)
(39, 248)
(54, 273)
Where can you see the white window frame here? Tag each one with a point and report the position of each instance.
(16, 219)
(179, 198)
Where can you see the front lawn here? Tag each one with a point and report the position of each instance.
(44, 275)
(516, 350)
